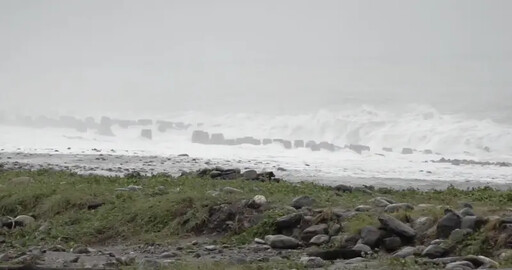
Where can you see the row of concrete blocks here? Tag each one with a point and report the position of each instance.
(203, 137)
(104, 126)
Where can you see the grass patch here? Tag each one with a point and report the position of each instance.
(167, 208)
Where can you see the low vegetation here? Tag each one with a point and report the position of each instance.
(71, 209)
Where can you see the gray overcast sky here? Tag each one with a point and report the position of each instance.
(250, 55)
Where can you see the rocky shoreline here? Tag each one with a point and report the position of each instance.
(112, 163)
(340, 227)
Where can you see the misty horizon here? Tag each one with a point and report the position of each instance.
(269, 56)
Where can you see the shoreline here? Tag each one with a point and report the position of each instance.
(117, 164)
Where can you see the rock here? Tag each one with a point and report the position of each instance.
(217, 138)
(343, 188)
(23, 180)
(382, 201)
(462, 265)
(392, 208)
(24, 220)
(298, 144)
(250, 175)
(314, 230)
(422, 224)
(248, 140)
(199, 136)
(363, 208)
(349, 241)
(288, 221)
(81, 250)
(447, 224)
(231, 190)
(434, 251)
(302, 201)
(5, 257)
(481, 261)
(210, 248)
(257, 202)
(407, 151)
(466, 211)
(391, 244)
(358, 148)
(458, 235)
(336, 240)
(387, 149)
(370, 236)
(267, 141)
(405, 252)
(335, 229)
(319, 240)
(396, 226)
(473, 223)
(281, 242)
(146, 133)
(312, 262)
(215, 174)
(363, 248)
(104, 128)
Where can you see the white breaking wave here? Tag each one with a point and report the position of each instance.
(418, 127)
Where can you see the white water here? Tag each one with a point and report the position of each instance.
(418, 127)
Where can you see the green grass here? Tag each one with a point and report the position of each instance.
(151, 215)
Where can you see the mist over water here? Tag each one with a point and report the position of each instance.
(421, 74)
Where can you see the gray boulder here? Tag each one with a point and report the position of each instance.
(250, 175)
(199, 136)
(405, 252)
(319, 240)
(281, 242)
(370, 236)
(24, 220)
(298, 144)
(466, 211)
(407, 151)
(302, 201)
(343, 188)
(312, 262)
(391, 244)
(314, 230)
(481, 262)
(146, 133)
(461, 265)
(422, 224)
(358, 148)
(447, 224)
(363, 208)
(434, 251)
(217, 138)
(458, 235)
(267, 141)
(392, 208)
(473, 223)
(363, 248)
(396, 226)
